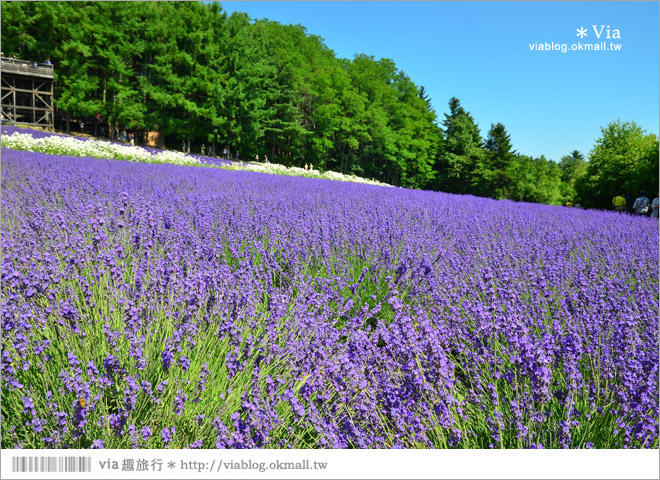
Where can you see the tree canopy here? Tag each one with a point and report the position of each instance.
(623, 159)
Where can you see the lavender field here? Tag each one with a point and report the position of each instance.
(163, 306)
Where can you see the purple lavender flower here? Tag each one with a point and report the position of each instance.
(179, 400)
(166, 435)
(160, 388)
(201, 385)
(111, 365)
(167, 356)
(79, 418)
(28, 406)
(184, 363)
(146, 433)
(73, 360)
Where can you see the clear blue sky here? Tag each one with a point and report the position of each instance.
(550, 102)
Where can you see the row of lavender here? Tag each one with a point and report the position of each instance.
(162, 306)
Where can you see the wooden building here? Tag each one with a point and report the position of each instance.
(27, 93)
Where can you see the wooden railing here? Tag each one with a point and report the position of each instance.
(25, 67)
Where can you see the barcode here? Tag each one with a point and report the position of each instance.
(51, 464)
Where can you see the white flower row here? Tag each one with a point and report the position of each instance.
(278, 169)
(58, 145)
(63, 145)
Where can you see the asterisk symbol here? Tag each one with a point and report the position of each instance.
(582, 32)
(171, 465)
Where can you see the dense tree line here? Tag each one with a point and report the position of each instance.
(623, 159)
(191, 72)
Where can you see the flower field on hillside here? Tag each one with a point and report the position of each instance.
(277, 169)
(78, 147)
(32, 140)
(163, 306)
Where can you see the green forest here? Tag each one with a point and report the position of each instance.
(255, 87)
